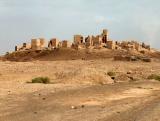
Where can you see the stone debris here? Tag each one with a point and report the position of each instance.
(73, 107)
(131, 58)
(129, 72)
(82, 106)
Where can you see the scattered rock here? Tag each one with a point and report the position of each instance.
(73, 107)
(35, 112)
(125, 58)
(146, 59)
(134, 58)
(122, 78)
(140, 87)
(131, 78)
(103, 107)
(113, 77)
(143, 52)
(129, 72)
(82, 106)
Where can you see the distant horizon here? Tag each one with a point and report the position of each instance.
(21, 21)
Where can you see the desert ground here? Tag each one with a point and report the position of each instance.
(80, 90)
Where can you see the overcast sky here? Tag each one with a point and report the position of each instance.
(21, 20)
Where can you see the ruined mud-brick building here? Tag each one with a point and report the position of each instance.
(111, 44)
(103, 41)
(35, 44)
(53, 43)
(91, 41)
(105, 36)
(25, 46)
(66, 44)
(80, 42)
(38, 44)
(97, 41)
(78, 39)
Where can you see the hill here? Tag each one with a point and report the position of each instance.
(72, 54)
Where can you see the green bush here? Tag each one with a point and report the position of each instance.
(154, 76)
(44, 80)
(111, 73)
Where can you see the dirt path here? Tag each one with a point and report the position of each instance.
(118, 102)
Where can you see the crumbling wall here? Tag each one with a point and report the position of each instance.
(26, 46)
(111, 44)
(53, 43)
(78, 39)
(66, 44)
(18, 48)
(89, 41)
(42, 42)
(97, 41)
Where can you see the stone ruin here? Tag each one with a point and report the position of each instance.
(53, 43)
(81, 42)
(38, 44)
(66, 44)
(25, 46)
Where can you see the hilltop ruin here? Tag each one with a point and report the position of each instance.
(81, 42)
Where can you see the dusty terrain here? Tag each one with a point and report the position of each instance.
(80, 90)
(72, 54)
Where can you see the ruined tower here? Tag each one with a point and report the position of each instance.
(35, 44)
(105, 36)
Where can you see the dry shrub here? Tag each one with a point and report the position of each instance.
(154, 76)
(111, 74)
(44, 80)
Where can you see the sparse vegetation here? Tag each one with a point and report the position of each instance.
(44, 80)
(111, 74)
(154, 76)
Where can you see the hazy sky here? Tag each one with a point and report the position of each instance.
(21, 20)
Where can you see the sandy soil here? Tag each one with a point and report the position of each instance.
(81, 90)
